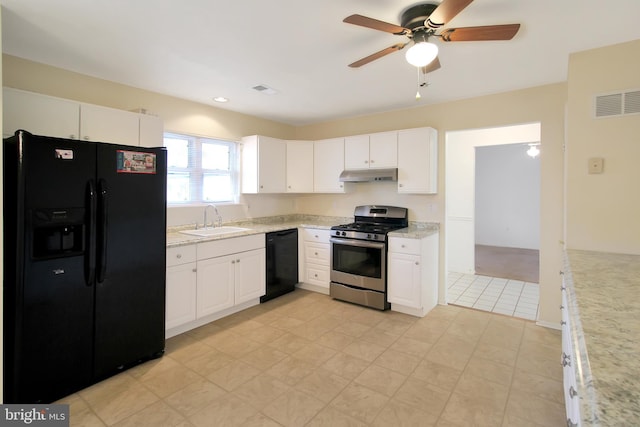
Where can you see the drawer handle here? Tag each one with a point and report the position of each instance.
(566, 359)
(195, 270)
(562, 288)
(562, 323)
(233, 262)
(238, 261)
(402, 246)
(572, 392)
(316, 236)
(561, 273)
(179, 256)
(571, 423)
(315, 275)
(316, 253)
(562, 307)
(417, 263)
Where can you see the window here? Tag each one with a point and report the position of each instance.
(200, 170)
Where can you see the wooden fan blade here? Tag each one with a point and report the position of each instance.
(377, 55)
(445, 12)
(364, 21)
(432, 66)
(489, 32)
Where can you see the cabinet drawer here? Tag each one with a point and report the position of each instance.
(317, 275)
(317, 253)
(316, 235)
(404, 246)
(181, 255)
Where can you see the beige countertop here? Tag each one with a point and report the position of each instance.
(416, 230)
(603, 292)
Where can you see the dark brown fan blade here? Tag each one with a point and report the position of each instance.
(432, 66)
(445, 12)
(489, 32)
(364, 21)
(377, 55)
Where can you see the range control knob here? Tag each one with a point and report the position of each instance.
(344, 233)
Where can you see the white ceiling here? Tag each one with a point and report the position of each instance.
(199, 49)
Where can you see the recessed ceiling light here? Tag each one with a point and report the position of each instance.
(221, 99)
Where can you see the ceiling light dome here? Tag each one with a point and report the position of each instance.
(422, 52)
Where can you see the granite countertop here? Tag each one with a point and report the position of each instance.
(603, 292)
(416, 230)
(256, 226)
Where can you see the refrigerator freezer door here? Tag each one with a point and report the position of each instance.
(130, 288)
(48, 307)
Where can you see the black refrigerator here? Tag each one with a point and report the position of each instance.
(84, 263)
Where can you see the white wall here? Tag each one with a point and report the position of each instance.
(603, 210)
(507, 197)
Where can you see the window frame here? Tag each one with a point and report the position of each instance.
(197, 173)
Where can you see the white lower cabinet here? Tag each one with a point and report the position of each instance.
(222, 277)
(181, 286)
(412, 275)
(314, 259)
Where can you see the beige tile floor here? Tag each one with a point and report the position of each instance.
(307, 360)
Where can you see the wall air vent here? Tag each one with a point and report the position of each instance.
(617, 104)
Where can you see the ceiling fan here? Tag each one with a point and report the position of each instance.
(425, 20)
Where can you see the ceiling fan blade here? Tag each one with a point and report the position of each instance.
(432, 66)
(377, 55)
(364, 21)
(489, 32)
(445, 12)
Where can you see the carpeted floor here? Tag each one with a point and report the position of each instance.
(508, 263)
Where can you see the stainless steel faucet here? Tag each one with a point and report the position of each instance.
(218, 216)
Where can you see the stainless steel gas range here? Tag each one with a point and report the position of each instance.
(359, 255)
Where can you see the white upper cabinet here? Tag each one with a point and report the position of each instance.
(356, 152)
(39, 114)
(299, 166)
(105, 124)
(263, 165)
(64, 118)
(374, 151)
(328, 164)
(418, 161)
(383, 150)
(151, 131)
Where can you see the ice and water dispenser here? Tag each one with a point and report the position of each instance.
(58, 232)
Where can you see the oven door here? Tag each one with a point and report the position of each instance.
(359, 263)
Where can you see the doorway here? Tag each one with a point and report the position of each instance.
(484, 209)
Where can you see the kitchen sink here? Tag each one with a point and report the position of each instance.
(215, 231)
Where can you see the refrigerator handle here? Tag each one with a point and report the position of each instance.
(90, 259)
(102, 230)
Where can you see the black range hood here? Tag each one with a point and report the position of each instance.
(369, 175)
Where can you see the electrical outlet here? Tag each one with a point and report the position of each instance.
(596, 165)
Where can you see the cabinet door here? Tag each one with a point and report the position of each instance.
(383, 150)
(328, 164)
(181, 295)
(299, 166)
(250, 272)
(151, 131)
(404, 284)
(104, 124)
(40, 114)
(271, 165)
(356, 152)
(215, 285)
(418, 161)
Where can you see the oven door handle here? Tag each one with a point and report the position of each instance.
(360, 243)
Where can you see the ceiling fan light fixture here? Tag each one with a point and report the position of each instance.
(421, 54)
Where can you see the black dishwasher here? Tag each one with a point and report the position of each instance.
(282, 263)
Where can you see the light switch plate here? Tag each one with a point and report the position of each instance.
(596, 165)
